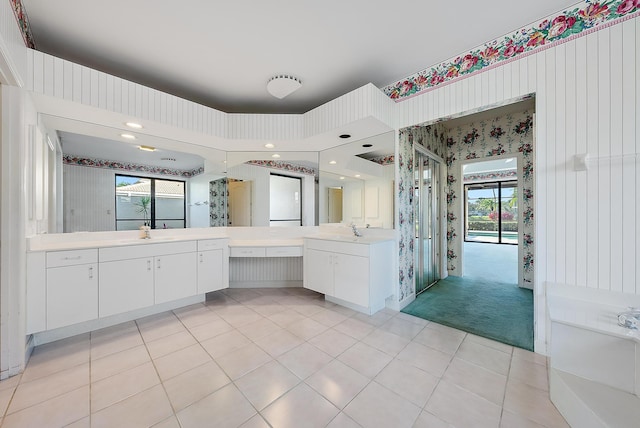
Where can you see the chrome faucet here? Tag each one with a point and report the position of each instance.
(630, 319)
(356, 232)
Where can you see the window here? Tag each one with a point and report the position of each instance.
(492, 212)
(157, 203)
(285, 200)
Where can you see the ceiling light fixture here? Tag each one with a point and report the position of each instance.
(357, 175)
(366, 146)
(332, 162)
(282, 85)
(345, 136)
(133, 125)
(275, 155)
(341, 178)
(128, 136)
(147, 148)
(269, 145)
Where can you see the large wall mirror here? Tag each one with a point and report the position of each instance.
(111, 182)
(117, 180)
(357, 182)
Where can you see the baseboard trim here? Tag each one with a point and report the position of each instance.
(265, 284)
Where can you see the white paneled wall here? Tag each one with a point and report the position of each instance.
(13, 58)
(65, 80)
(89, 199)
(587, 101)
(265, 269)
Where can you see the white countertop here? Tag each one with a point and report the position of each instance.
(238, 237)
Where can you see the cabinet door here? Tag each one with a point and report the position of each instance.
(125, 285)
(352, 279)
(175, 277)
(72, 295)
(211, 271)
(318, 271)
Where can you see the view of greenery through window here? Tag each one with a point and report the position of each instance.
(149, 201)
(492, 212)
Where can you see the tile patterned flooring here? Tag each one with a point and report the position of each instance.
(279, 358)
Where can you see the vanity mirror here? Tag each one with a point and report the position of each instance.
(357, 182)
(272, 188)
(108, 179)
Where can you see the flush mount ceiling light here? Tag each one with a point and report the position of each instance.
(345, 136)
(332, 162)
(366, 146)
(133, 125)
(341, 178)
(275, 156)
(357, 175)
(147, 148)
(128, 136)
(269, 146)
(283, 85)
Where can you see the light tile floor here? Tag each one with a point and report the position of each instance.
(280, 358)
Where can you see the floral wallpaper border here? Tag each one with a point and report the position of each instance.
(23, 23)
(285, 166)
(582, 19)
(489, 176)
(130, 167)
(384, 160)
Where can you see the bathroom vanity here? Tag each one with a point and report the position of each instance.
(85, 281)
(350, 271)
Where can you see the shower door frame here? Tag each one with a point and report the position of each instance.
(437, 214)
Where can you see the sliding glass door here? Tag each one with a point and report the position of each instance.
(492, 212)
(427, 221)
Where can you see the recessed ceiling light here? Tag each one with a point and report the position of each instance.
(367, 145)
(357, 175)
(345, 136)
(332, 162)
(269, 145)
(341, 178)
(275, 155)
(133, 125)
(128, 136)
(147, 148)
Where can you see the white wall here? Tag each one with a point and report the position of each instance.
(379, 199)
(587, 101)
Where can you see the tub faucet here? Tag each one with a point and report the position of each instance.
(356, 232)
(630, 318)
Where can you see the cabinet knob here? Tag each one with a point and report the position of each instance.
(90, 272)
(148, 264)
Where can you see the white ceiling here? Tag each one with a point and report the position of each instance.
(221, 54)
(100, 148)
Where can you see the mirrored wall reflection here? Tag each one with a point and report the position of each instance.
(108, 179)
(272, 188)
(357, 183)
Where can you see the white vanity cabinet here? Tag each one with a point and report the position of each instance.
(71, 287)
(213, 265)
(138, 276)
(358, 275)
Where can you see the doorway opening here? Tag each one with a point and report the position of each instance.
(492, 220)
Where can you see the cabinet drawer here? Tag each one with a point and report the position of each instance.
(247, 252)
(111, 254)
(284, 251)
(212, 244)
(70, 258)
(338, 247)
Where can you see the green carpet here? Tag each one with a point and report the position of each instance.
(498, 311)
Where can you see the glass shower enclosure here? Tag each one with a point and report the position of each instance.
(427, 219)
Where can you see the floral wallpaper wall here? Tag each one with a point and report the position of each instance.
(431, 137)
(218, 193)
(500, 136)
